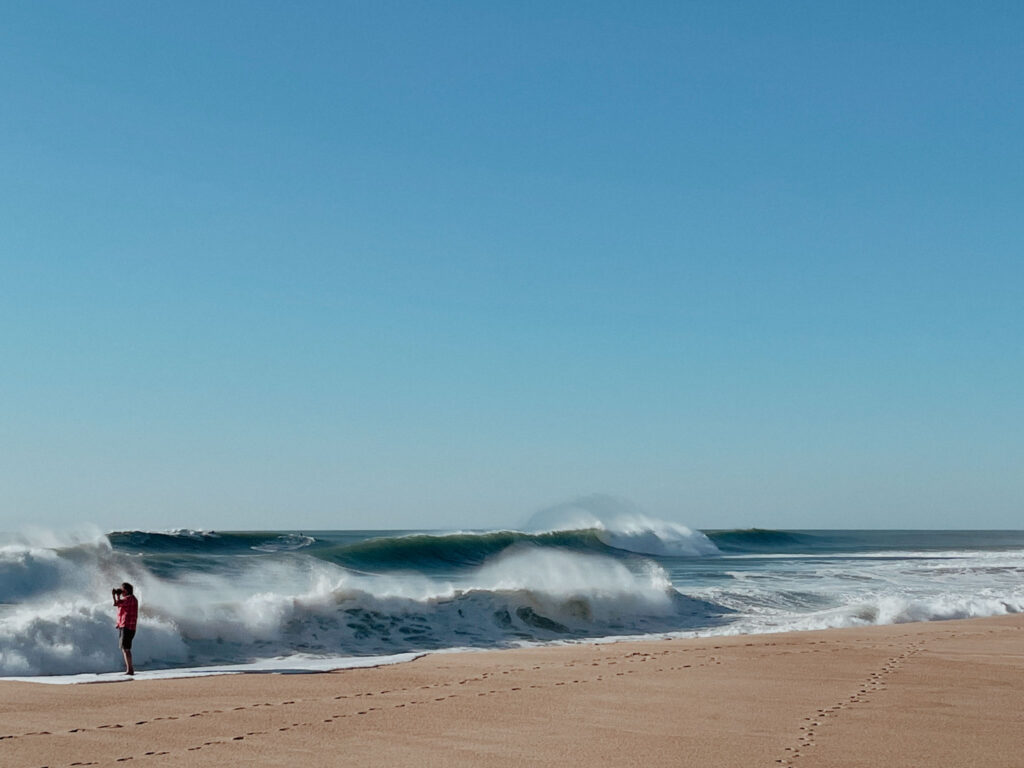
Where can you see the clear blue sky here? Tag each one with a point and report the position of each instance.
(301, 265)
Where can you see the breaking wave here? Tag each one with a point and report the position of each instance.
(278, 601)
(618, 525)
(593, 568)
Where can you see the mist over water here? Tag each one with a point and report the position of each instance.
(579, 571)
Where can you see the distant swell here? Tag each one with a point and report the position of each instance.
(206, 542)
(760, 540)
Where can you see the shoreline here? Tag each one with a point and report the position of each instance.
(297, 664)
(951, 690)
(287, 665)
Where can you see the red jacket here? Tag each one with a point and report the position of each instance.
(127, 612)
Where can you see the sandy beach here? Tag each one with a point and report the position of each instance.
(931, 694)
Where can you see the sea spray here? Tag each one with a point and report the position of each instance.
(621, 525)
(229, 605)
(298, 598)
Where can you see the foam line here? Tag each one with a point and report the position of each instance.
(290, 665)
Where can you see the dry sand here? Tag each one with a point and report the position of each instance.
(941, 694)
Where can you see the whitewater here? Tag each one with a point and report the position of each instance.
(310, 600)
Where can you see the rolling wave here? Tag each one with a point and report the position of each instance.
(754, 540)
(207, 542)
(453, 550)
(637, 535)
(615, 534)
(261, 608)
(585, 570)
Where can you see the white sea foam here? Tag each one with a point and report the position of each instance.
(622, 526)
(191, 533)
(888, 588)
(277, 605)
(217, 612)
(288, 665)
(890, 609)
(285, 543)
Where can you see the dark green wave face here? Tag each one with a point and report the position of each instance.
(830, 542)
(759, 540)
(377, 551)
(429, 551)
(450, 551)
(208, 542)
(432, 552)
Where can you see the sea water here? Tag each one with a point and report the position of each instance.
(307, 600)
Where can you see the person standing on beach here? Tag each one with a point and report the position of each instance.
(127, 617)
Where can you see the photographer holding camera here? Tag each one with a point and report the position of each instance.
(127, 618)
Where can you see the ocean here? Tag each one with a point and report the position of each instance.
(304, 600)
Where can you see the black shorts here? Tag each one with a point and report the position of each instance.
(126, 635)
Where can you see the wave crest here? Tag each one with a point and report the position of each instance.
(621, 526)
(257, 607)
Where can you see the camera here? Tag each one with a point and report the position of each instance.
(117, 590)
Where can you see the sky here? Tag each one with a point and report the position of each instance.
(443, 265)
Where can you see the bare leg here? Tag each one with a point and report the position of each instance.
(128, 668)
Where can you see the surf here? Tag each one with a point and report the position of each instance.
(578, 572)
(241, 608)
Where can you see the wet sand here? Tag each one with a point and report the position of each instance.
(938, 694)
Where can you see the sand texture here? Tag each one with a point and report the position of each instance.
(940, 694)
